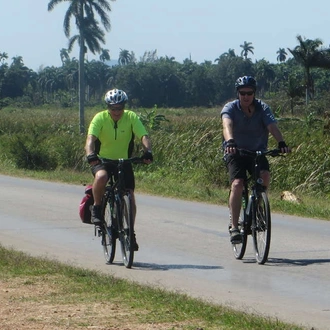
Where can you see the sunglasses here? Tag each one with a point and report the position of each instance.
(245, 93)
(117, 108)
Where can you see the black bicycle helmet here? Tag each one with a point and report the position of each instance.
(246, 81)
(115, 96)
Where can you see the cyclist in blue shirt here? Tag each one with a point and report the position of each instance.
(246, 124)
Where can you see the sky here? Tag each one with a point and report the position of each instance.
(200, 30)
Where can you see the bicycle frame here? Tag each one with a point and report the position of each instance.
(256, 213)
(256, 188)
(118, 222)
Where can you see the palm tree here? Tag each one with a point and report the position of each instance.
(167, 59)
(105, 55)
(93, 36)
(83, 13)
(309, 54)
(264, 74)
(293, 88)
(124, 57)
(149, 56)
(282, 54)
(64, 55)
(247, 48)
(3, 57)
(230, 53)
(71, 74)
(17, 78)
(3, 69)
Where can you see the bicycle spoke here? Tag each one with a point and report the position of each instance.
(262, 228)
(239, 249)
(108, 238)
(127, 232)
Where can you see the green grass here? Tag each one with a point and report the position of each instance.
(63, 285)
(187, 166)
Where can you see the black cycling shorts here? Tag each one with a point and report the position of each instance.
(112, 169)
(238, 166)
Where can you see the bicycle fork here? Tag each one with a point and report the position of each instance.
(249, 213)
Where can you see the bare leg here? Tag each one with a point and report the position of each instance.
(136, 246)
(100, 181)
(133, 205)
(235, 200)
(265, 176)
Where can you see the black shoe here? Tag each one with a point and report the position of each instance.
(235, 236)
(114, 232)
(135, 244)
(97, 215)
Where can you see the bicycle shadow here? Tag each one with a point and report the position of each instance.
(295, 262)
(165, 267)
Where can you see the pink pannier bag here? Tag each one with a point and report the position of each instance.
(85, 205)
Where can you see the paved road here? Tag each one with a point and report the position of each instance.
(184, 246)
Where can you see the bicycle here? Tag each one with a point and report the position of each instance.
(255, 215)
(118, 220)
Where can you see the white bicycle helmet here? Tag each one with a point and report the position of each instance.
(115, 96)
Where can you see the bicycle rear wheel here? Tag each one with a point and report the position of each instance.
(126, 232)
(261, 229)
(239, 249)
(108, 235)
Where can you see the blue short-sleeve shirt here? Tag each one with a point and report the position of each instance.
(250, 133)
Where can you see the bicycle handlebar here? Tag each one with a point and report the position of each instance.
(134, 160)
(272, 152)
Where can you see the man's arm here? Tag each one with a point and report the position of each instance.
(274, 130)
(92, 157)
(227, 129)
(228, 135)
(90, 144)
(146, 143)
(276, 133)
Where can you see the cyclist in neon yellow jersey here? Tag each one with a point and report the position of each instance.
(110, 135)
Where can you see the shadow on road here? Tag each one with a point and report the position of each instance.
(295, 262)
(152, 266)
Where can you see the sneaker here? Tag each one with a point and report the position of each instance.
(135, 244)
(97, 215)
(114, 232)
(235, 236)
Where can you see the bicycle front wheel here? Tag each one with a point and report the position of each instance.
(261, 228)
(108, 234)
(126, 233)
(239, 249)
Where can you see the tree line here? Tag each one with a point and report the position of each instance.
(152, 79)
(163, 81)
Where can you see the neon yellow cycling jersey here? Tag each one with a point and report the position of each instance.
(115, 137)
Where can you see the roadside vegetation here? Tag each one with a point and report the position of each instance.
(44, 294)
(44, 143)
(39, 127)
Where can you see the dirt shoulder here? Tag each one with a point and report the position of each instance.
(32, 306)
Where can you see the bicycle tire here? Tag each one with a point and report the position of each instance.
(126, 231)
(108, 235)
(261, 229)
(239, 249)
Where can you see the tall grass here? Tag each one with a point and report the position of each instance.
(187, 151)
